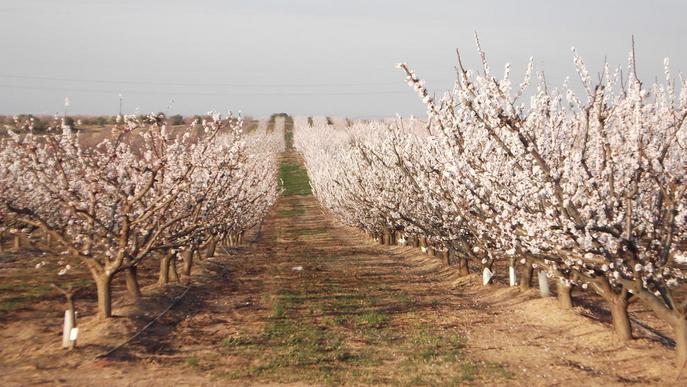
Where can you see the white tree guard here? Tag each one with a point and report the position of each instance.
(486, 276)
(67, 330)
(543, 284)
(511, 276)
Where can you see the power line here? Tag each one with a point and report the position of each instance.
(151, 83)
(246, 94)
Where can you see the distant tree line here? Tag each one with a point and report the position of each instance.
(42, 122)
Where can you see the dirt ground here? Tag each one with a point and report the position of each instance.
(311, 302)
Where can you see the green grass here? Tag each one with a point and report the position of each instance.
(278, 310)
(372, 318)
(311, 231)
(20, 288)
(8, 306)
(404, 300)
(295, 179)
(290, 350)
(291, 212)
(354, 342)
(193, 361)
(436, 357)
(288, 132)
(16, 296)
(236, 341)
(288, 139)
(348, 303)
(323, 331)
(429, 345)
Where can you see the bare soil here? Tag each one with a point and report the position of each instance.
(311, 302)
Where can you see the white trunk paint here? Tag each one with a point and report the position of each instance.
(543, 284)
(66, 331)
(511, 276)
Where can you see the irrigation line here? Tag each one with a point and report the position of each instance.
(151, 322)
(650, 332)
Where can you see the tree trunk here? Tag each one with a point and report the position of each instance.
(680, 329)
(173, 272)
(621, 319)
(617, 303)
(526, 277)
(543, 281)
(212, 246)
(416, 242)
(131, 275)
(17, 242)
(103, 284)
(163, 277)
(564, 292)
(69, 319)
(675, 317)
(447, 258)
(187, 257)
(387, 237)
(463, 268)
(512, 277)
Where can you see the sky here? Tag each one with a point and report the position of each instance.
(304, 57)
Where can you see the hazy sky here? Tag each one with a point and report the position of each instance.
(314, 57)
